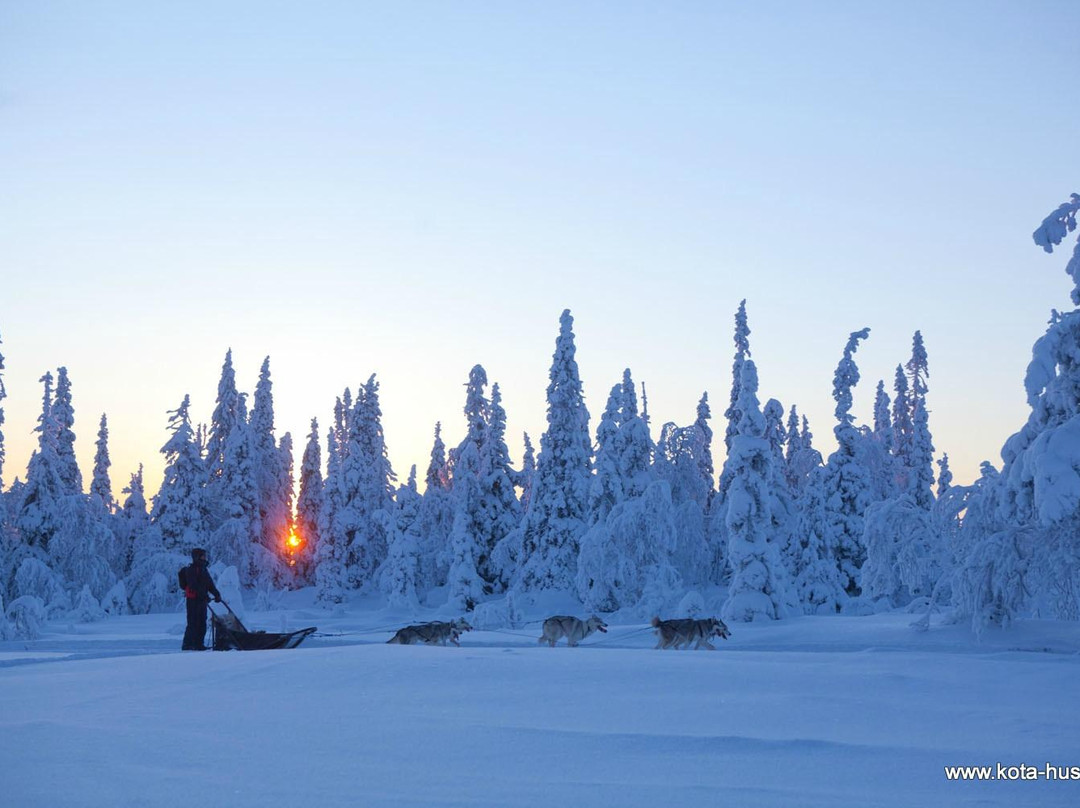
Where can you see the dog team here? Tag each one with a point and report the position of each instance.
(676, 634)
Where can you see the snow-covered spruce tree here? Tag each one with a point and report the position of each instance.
(819, 584)
(775, 434)
(524, 478)
(274, 489)
(847, 483)
(1020, 536)
(621, 472)
(705, 458)
(100, 484)
(944, 475)
(782, 507)
(37, 516)
(367, 495)
(903, 431)
(500, 506)
(801, 459)
(605, 490)
(742, 351)
(284, 495)
(179, 509)
(498, 511)
(133, 519)
(237, 538)
(331, 551)
(883, 431)
(399, 574)
(179, 521)
(759, 585)
(921, 458)
(64, 414)
(557, 516)
(309, 506)
(222, 423)
(436, 519)
(464, 582)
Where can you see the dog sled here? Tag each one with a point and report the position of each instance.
(228, 633)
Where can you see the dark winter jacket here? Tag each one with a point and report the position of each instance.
(198, 583)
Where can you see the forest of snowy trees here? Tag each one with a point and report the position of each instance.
(627, 518)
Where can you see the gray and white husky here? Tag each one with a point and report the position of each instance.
(434, 633)
(679, 633)
(574, 629)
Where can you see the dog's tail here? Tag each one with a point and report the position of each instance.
(656, 622)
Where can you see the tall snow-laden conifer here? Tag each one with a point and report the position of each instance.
(284, 491)
(309, 504)
(819, 583)
(498, 502)
(38, 516)
(133, 518)
(606, 490)
(705, 458)
(759, 586)
(921, 458)
(64, 414)
(622, 472)
(332, 550)
(944, 475)
(559, 508)
(524, 479)
(1020, 545)
(223, 421)
(367, 493)
(100, 484)
(435, 519)
(464, 581)
(882, 418)
(742, 351)
(273, 491)
(237, 539)
(179, 508)
(847, 484)
(801, 459)
(903, 430)
(438, 474)
(399, 575)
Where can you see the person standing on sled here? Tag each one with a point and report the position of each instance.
(198, 586)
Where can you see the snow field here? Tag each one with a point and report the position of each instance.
(811, 712)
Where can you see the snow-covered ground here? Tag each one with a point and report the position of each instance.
(814, 711)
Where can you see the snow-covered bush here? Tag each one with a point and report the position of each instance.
(87, 609)
(115, 601)
(26, 617)
(36, 579)
(152, 583)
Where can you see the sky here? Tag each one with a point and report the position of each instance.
(409, 189)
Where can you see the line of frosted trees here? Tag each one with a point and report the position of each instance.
(625, 519)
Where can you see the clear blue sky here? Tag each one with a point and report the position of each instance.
(413, 188)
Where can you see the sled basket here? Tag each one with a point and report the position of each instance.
(229, 633)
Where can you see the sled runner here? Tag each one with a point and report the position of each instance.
(229, 633)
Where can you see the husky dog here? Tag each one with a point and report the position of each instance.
(575, 630)
(679, 633)
(434, 633)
